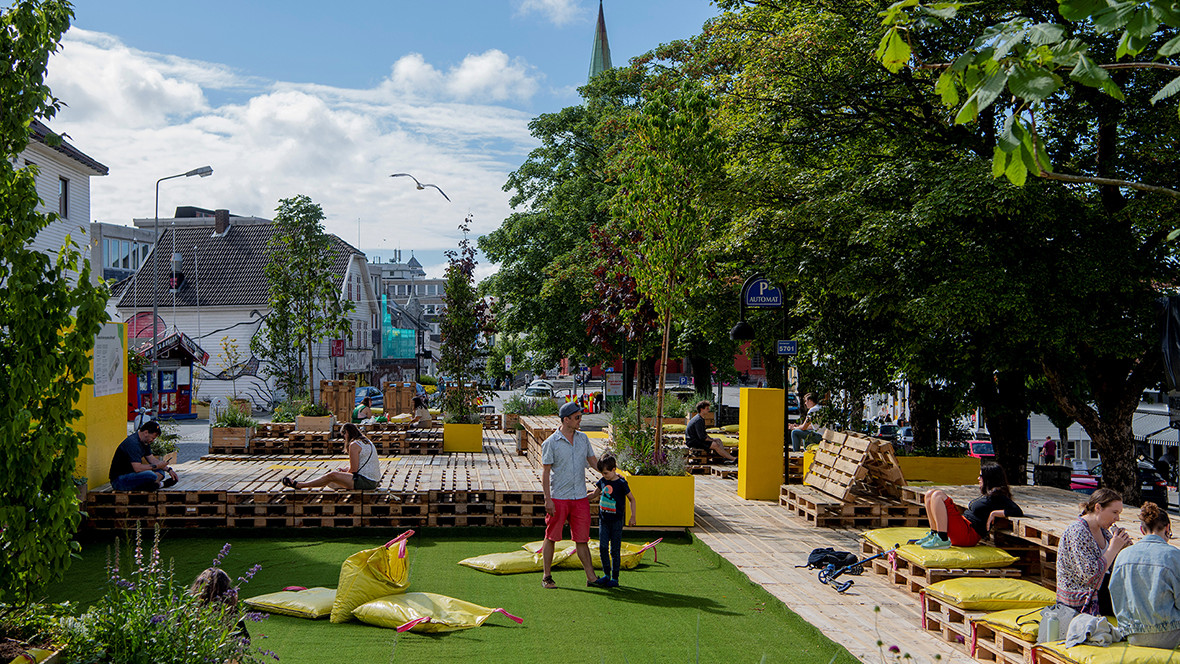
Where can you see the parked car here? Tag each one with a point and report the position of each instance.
(905, 436)
(1151, 485)
(887, 432)
(376, 397)
(980, 449)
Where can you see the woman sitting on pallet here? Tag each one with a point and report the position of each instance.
(949, 527)
(362, 472)
(1086, 553)
(1145, 584)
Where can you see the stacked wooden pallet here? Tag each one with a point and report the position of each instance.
(996, 645)
(339, 396)
(950, 623)
(914, 577)
(536, 430)
(399, 397)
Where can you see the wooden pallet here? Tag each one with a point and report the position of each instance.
(326, 503)
(273, 429)
(419, 447)
(122, 505)
(849, 462)
(825, 511)
(268, 445)
(257, 504)
(336, 521)
(309, 435)
(491, 420)
(795, 468)
(524, 521)
(520, 498)
(724, 472)
(996, 645)
(914, 577)
(521, 510)
(461, 520)
(948, 622)
(233, 521)
(462, 502)
(390, 504)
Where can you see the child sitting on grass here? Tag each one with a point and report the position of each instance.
(612, 512)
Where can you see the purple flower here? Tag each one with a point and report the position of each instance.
(255, 616)
(220, 556)
(123, 583)
(156, 619)
(895, 650)
(250, 574)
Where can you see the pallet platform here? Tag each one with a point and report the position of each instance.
(996, 645)
(914, 577)
(824, 511)
(949, 623)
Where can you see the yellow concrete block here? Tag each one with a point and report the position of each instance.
(760, 458)
(663, 500)
(939, 470)
(103, 422)
(462, 437)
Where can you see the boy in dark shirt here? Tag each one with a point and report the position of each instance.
(612, 512)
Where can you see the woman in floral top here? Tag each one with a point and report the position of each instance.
(1087, 550)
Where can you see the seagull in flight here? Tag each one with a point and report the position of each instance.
(420, 185)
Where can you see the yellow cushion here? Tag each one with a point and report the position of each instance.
(1021, 623)
(514, 562)
(311, 603)
(429, 613)
(729, 441)
(730, 428)
(1115, 653)
(988, 594)
(629, 554)
(370, 574)
(675, 428)
(955, 557)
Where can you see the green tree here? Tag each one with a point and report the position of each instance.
(667, 169)
(460, 327)
(305, 301)
(49, 315)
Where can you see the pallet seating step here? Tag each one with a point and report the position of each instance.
(461, 520)
(391, 504)
(950, 623)
(996, 645)
(914, 577)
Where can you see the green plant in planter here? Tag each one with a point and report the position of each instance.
(635, 451)
(427, 380)
(286, 411)
(314, 410)
(516, 405)
(460, 328)
(233, 418)
(162, 446)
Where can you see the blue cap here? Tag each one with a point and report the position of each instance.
(568, 409)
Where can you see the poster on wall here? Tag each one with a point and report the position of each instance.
(614, 385)
(109, 358)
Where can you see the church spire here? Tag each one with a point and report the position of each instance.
(600, 55)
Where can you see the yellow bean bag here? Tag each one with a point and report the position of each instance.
(991, 594)
(675, 428)
(425, 612)
(403, 417)
(955, 557)
(370, 574)
(307, 603)
(1116, 653)
(629, 554)
(731, 428)
(1021, 623)
(729, 441)
(515, 562)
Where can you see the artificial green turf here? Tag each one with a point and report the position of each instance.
(691, 600)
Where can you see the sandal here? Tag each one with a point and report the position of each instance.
(288, 482)
(548, 583)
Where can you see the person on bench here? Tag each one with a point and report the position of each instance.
(1086, 553)
(807, 431)
(362, 473)
(135, 468)
(950, 528)
(422, 418)
(1145, 584)
(696, 438)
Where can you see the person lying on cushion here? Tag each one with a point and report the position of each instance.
(949, 527)
(1145, 584)
(1087, 551)
(135, 468)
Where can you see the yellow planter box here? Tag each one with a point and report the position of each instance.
(940, 470)
(462, 437)
(663, 500)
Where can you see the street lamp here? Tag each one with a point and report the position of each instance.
(204, 171)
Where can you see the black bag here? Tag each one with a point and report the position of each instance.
(821, 558)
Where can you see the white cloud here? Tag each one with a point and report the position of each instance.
(148, 115)
(559, 12)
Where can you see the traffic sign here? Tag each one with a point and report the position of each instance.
(508, 363)
(763, 295)
(337, 348)
(684, 381)
(787, 347)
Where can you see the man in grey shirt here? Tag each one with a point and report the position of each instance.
(807, 431)
(564, 458)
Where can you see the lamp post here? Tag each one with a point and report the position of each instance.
(204, 171)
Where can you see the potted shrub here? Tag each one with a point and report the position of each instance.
(314, 417)
(461, 349)
(164, 446)
(514, 407)
(657, 476)
(231, 429)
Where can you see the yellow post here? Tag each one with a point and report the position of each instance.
(760, 441)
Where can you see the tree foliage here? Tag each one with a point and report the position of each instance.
(49, 315)
(306, 306)
(461, 325)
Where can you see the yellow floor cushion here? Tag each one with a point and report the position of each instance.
(991, 594)
(1021, 623)
(728, 441)
(629, 554)
(675, 428)
(309, 603)
(955, 557)
(731, 428)
(425, 612)
(515, 562)
(1116, 653)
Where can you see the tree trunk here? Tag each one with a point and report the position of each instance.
(923, 418)
(1003, 397)
(660, 387)
(310, 371)
(647, 375)
(702, 374)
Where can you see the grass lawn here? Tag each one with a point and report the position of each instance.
(691, 600)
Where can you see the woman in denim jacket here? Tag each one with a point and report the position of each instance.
(1145, 584)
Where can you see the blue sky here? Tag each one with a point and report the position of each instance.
(286, 98)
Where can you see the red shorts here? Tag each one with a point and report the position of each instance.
(577, 512)
(958, 529)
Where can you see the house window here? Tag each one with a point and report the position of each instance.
(125, 254)
(432, 289)
(63, 198)
(756, 360)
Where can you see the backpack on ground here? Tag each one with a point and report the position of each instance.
(821, 558)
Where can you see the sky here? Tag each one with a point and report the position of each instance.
(328, 100)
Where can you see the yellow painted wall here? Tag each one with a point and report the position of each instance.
(760, 443)
(663, 500)
(940, 470)
(103, 422)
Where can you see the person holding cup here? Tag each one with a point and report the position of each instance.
(1086, 554)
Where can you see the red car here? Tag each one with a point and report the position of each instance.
(980, 449)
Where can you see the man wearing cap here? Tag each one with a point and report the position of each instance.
(564, 458)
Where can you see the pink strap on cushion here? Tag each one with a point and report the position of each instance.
(892, 559)
(519, 621)
(652, 545)
(922, 599)
(974, 637)
(413, 623)
(295, 588)
(400, 540)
